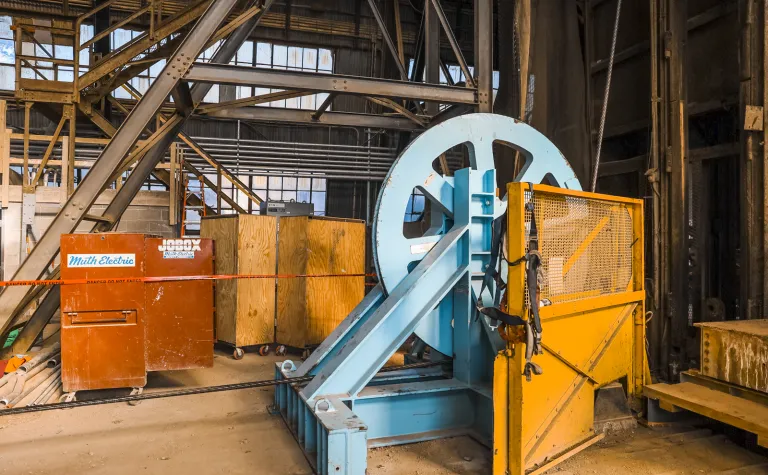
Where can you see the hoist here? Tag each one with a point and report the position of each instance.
(532, 297)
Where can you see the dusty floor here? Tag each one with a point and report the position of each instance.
(232, 433)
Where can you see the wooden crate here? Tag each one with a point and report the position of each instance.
(244, 244)
(310, 308)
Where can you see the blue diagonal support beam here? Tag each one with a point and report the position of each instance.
(361, 357)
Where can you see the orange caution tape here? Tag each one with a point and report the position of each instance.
(123, 280)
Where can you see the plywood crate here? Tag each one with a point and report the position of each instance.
(310, 308)
(244, 244)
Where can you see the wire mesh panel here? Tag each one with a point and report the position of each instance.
(585, 245)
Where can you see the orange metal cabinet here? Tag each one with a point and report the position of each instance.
(179, 325)
(102, 325)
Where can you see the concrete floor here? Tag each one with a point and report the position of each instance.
(231, 432)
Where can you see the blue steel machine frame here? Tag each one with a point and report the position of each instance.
(429, 287)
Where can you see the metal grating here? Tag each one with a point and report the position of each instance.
(585, 245)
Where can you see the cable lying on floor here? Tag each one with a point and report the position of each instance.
(192, 391)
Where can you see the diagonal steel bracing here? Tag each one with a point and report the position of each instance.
(123, 141)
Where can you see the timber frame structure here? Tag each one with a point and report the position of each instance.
(178, 32)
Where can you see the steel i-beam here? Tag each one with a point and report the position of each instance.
(123, 141)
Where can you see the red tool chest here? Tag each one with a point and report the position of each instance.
(113, 333)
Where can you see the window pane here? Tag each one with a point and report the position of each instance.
(86, 33)
(5, 28)
(326, 60)
(66, 74)
(213, 94)
(303, 197)
(308, 102)
(275, 183)
(7, 52)
(121, 93)
(120, 37)
(43, 51)
(289, 195)
(320, 98)
(260, 182)
(418, 203)
(245, 53)
(280, 56)
(274, 195)
(156, 68)
(310, 59)
(7, 78)
(304, 184)
(243, 92)
(318, 199)
(318, 184)
(85, 60)
(289, 183)
(294, 103)
(294, 57)
(62, 52)
(264, 54)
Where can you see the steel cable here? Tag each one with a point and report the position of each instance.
(605, 96)
(193, 391)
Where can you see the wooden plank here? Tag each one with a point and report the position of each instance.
(224, 233)
(257, 246)
(591, 440)
(334, 247)
(741, 413)
(291, 293)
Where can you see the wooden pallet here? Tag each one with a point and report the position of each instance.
(732, 410)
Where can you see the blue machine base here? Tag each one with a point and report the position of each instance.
(398, 407)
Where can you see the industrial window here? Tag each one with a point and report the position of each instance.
(291, 58)
(415, 208)
(141, 81)
(457, 75)
(43, 48)
(286, 188)
(7, 55)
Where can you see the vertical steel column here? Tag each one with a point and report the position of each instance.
(431, 51)
(112, 155)
(484, 54)
(677, 189)
(656, 324)
(751, 285)
(764, 78)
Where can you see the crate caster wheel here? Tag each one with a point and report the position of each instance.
(305, 354)
(264, 350)
(238, 354)
(280, 350)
